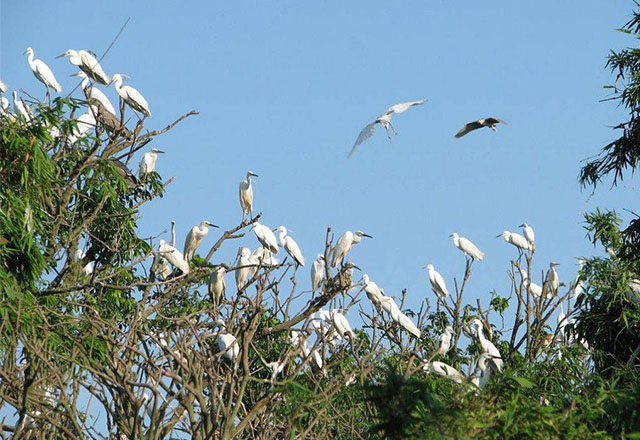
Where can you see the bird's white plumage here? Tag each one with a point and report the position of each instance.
(374, 293)
(528, 233)
(194, 239)
(533, 288)
(438, 284)
(90, 66)
(390, 306)
(290, 245)
(488, 346)
(42, 72)
(341, 324)
(173, 256)
(266, 237)
(551, 281)
(317, 272)
(466, 246)
(443, 342)
(444, 370)
(516, 240)
(20, 108)
(344, 245)
(243, 274)
(148, 161)
(3, 87)
(132, 97)
(84, 123)
(217, 283)
(95, 93)
(246, 194)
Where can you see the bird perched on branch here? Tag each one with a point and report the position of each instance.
(132, 97)
(344, 245)
(487, 122)
(195, 237)
(88, 64)
(42, 72)
(290, 245)
(466, 246)
(437, 282)
(246, 194)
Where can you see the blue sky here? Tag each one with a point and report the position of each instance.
(283, 88)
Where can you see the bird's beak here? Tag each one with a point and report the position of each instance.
(61, 55)
(212, 225)
(451, 235)
(424, 267)
(499, 235)
(76, 74)
(25, 52)
(253, 174)
(521, 226)
(160, 151)
(367, 235)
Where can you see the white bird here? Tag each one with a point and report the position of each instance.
(148, 161)
(528, 234)
(533, 288)
(160, 266)
(246, 194)
(87, 269)
(317, 272)
(633, 295)
(344, 245)
(195, 237)
(488, 346)
(486, 122)
(374, 293)
(42, 72)
(516, 240)
(444, 370)
(3, 87)
(551, 281)
(20, 108)
(173, 256)
(262, 256)
(562, 323)
(95, 93)
(217, 283)
(88, 64)
(266, 237)
(276, 368)
(390, 306)
(437, 282)
(385, 121)
(84, 123)
(4, 105)
(227, 343)
(482, 381)
(290, 245)
(466, 246)
(341, 324)
(443, 343)
(131, 96)
(243, 274)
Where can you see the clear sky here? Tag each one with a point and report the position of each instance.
(283, 88)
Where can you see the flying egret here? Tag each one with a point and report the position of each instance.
(516, 240)
(374, 293)
(148, 161)
(20, 108)
(266, 237)
(3, 87)
(246, 195)
(528, 234)
(131, 96)
(533, 288)
(390, 306)
(443, 343)
(93, 93)
(42, 72)
(195, 237)
(551, 281)
(262, 256)
(444, 370)
(344, 245)
(341, 324)
(87, 269)
(290, 245)
(173, 256)
(84, 123)
(217, 283)
(487, 345)
(317, 272)
(466, 246)
(437, 282)
(385, 121)
(244, 273)
(227, 343)
(487, 122)
(88, 64)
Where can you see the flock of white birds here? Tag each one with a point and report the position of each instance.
(330, 325)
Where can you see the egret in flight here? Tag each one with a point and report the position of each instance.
(88, 64)
(344, 245)
(515, 239)
(95, 93)
(131, 96)
(528, 234)
(385, 121)
(466, 246)
(42, 72)
(266, 237)
(487, 122)
(195, 237)
(148, 161)
(437, 282)
(317, 272)
(246, 195)
(290, 245)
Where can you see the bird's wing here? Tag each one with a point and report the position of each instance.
(495, 121)
(137, 97)
(403, 106)
(467, 128)
(46, 72)
(365, 134)
(296, 253)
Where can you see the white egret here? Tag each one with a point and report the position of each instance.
(246, 195)
(341, 324)
(374, 293)
(562, 323)
(443, 343)
(173, 256)
(3, 87)
(466, 246)
(131, 96)
(42, 72)
(485, 374)
(227, 343)
(148, 161)
(444, 370)
(88, 64)
(385, 121)
(195, 237)
(262, 256)
(244, 273)
(487, 346)
(323, 326)
(516, 240)
(551, 281)
(437, 282)
(20, 108)
(93, 93)
(317, 272)
(528, 234)
(344, 245)
(217, 283)
(486, 122)
(266, 237)
(390, 306)
(84, 123)
(633, 295)
(533, 288)
(276, 368)
(4, 105)
(290, 245)
(87, 269)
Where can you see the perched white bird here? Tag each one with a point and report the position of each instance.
(42, 72)
(227, 343)
(551, 281)
(374, 293)
(515, 239)
(578, 283)
(390, 306)
(4, 105)
(95, 93)
(443, 343)
(20, 108)
(487, 345)
(87, 269)
(466, 246)
(290, 245)
(485, 374)
(323, 326)
(246, 194)
(528, 234)
(385, 121)
(344, 245)
(148, 161)
(444, 370)
(160, 266)
(533, 288)
(217, 283)
(244, 273)
(266, 237)
(437, 282)
(131, 96)
(88, 64)
(633, 295)
(341, 324)
(486, 122)
(195, 237)
(262, 256)
(84, 123)
(317, 272)
(562, 323)
(173, 256)
(3, 87)
(276, 368)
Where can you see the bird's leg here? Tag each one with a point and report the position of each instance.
(388, 134)
(394, 130)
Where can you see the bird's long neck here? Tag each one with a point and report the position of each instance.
(30, 60)
(283, 234)
(173, 234)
